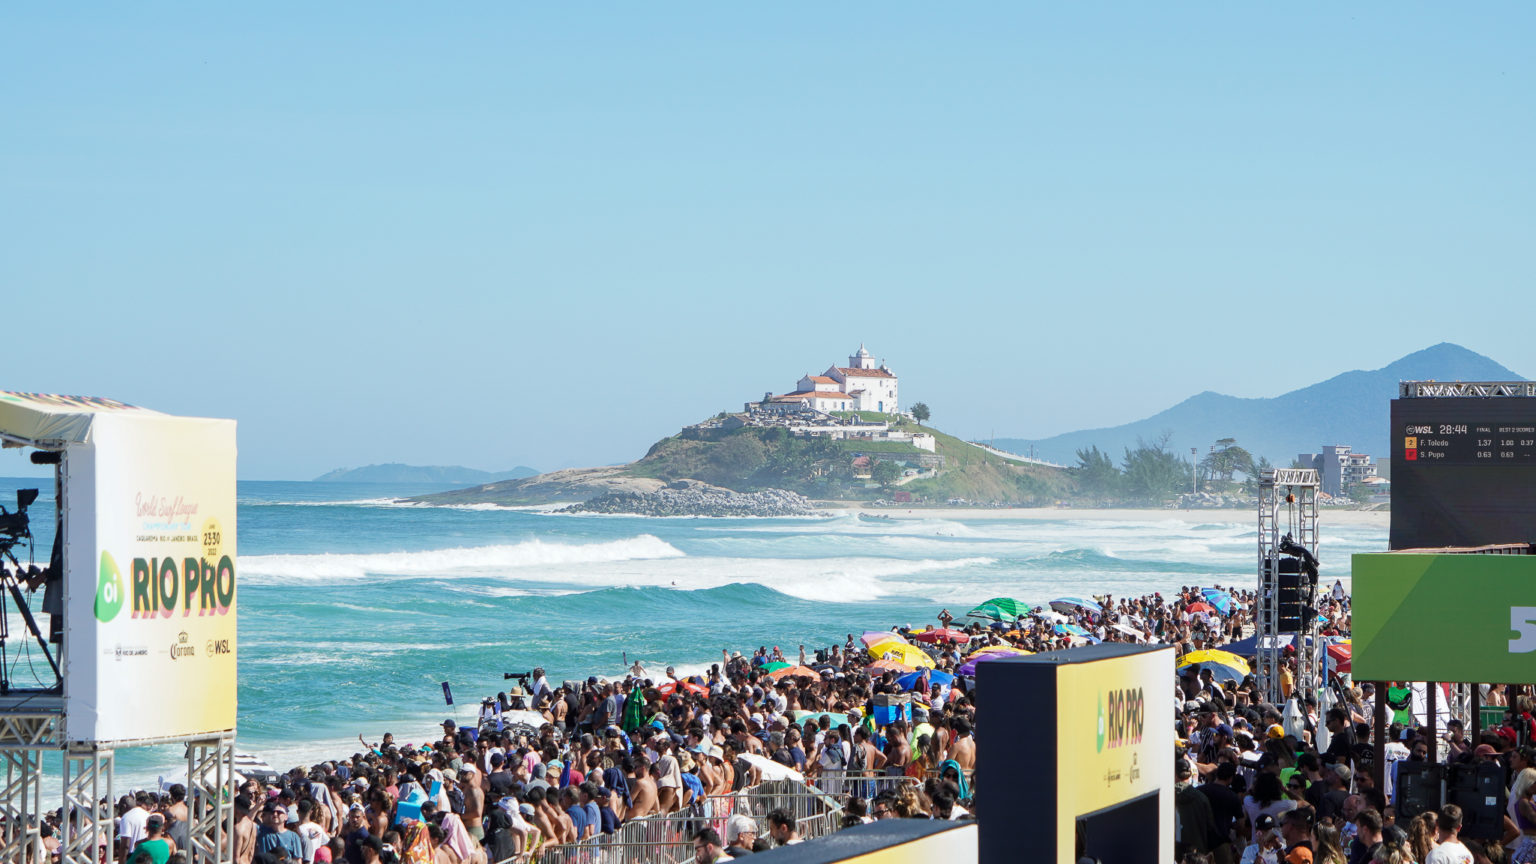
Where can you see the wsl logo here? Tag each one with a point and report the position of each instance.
(1124, 720)
(109, 590)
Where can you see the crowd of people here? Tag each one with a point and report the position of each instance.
(1256, 781)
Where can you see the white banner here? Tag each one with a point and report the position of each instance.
(150, 594)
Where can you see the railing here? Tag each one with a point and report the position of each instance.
(861, 784)
(668, 839)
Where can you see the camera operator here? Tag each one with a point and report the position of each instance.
(538, 689)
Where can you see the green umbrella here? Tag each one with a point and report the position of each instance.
(999, 609)
(776, 666)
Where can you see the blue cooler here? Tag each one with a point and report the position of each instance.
(890, 708)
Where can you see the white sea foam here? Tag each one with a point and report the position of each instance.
(834, 580)
(530, 553)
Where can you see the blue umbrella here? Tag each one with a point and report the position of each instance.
(1220, 599)
(1072, 630)
(909, 680)
(1065, 605)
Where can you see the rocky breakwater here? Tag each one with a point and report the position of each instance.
(691, 498)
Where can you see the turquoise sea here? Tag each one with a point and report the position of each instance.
(353, 609)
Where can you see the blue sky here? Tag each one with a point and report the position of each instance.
(497, 234)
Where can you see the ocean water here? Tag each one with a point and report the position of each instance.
(353, 609)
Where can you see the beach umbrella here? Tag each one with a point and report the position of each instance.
(1220, 599)
(1224, 665)
(1049, 615)
(793, 672)
(671, 687)
(942, 634)
(1340, 653)
(1200, 609)
(889, 666)
(1005, 609)
(902, 652)
(775, 666)
(872, 637)
(998, 649)
(815, 716)
(969, 667)
(909, 681)
(1065, 605)
(1072, 630)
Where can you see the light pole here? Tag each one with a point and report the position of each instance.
(1194, 471)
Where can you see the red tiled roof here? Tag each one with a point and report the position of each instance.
(865, 373)
(820, 379)
(814, 394)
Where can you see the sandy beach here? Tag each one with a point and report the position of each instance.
(1379, 518)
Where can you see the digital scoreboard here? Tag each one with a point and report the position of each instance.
(1463, 465)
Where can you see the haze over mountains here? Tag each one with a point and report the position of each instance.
(395, 472)
(1351, 408)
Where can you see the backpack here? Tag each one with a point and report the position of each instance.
(859, 759)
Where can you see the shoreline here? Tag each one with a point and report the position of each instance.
(1243, 516)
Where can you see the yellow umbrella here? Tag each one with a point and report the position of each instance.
(902, 652)
(999, 649)
(1224, 665)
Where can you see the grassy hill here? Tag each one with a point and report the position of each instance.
(749, 459)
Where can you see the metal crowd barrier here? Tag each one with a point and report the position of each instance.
(861, 784)
(668, 839)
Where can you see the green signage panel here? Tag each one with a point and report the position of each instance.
(1432, 617)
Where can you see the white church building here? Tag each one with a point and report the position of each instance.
(859, 386)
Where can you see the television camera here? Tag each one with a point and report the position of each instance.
(15, 530)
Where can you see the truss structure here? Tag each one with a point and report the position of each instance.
(88, 804)
(23, 738)
(211, 798)
(1465, 389)
(1287, 505)
(25, 735)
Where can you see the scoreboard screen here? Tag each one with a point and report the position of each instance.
(1463, 472)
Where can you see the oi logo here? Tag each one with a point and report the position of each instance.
(109, 590)
(1099, 743)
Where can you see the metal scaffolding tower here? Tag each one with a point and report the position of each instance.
(1287, 507)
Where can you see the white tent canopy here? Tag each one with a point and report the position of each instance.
(48, 419)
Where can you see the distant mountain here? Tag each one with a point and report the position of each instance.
(395, 472)
(1351, 408)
